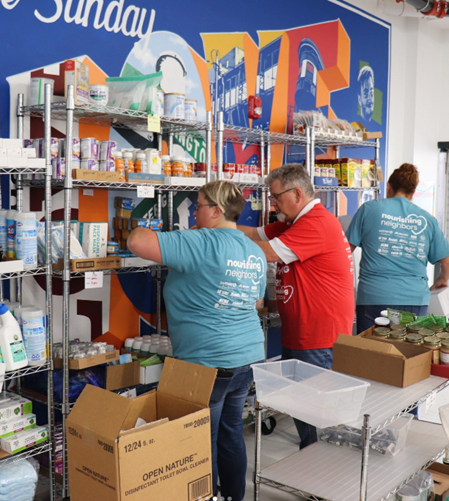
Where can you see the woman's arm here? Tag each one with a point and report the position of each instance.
(144, 243)
(443, 277)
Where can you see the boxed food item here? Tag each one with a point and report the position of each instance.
(24, 439)
(347, 168)
(168, 458)
(396, 363)
(331, 398)
(77, 74)
(390, 441)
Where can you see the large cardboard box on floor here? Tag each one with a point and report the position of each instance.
(396, 363)
(167, 459)
(440, 474)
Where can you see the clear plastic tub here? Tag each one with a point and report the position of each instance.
(312, 394)
(389, 441)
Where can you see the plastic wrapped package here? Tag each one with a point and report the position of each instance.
(57, 247)
(18, 479)
(134, 92)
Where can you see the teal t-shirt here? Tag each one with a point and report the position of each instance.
(216, 276)
(398, 239)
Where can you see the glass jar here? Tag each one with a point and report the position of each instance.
(381, 332)
(444, 352)
(436, 328)
(443, 335)
(382, 322)
(177, 166)
(397, 335)
(140, 165)
(166, 166)
(426, 332)
(433, 343)
(414, 328)
(398, 328)
(414, 338)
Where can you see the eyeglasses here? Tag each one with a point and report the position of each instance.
(276, 197)
(198, 206)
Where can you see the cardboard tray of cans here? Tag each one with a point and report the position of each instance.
(84, 363)
(389, 441)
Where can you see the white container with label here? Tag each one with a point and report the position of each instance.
(98, 95)
(26, 238)
(174, 105)
(11, 341)
(37, 90)
(34, 336)
(11, 233)
(190, 109)
(3, 233)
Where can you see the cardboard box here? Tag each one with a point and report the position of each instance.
(136, 261)
(140, 177)
(396, 363)
(325, 181)
(11, 265)
(23, 440)
(167, 459)
(371, 135)
(185, 181)
(96, 175)
(122, 375)
(440, 474)
(151, 374)
(77, 74)
(94, 239)
(89, 264)
(84, 363)
(440, 370)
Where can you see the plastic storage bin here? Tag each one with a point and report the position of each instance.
(389, 441)
(312, 394)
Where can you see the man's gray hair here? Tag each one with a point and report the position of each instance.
(292, 176)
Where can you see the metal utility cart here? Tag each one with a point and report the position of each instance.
(324, 471)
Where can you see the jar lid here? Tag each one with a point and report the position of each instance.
(118, 154)
(128, 154)
(165, 157)
(398, 334)
(426, 332)
(141, 155)
(397, 327)
(445, 343)
(443, 335)
(177, 159)
(414, 328)
(383, 313)
(381, 331)
(436, 328)
(434, 340)
(382, 322)
(413, 338)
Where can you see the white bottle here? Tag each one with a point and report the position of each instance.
(129, 341)
(11, 233)
(163, 346)
(137, 345)
(154, 343)
(3, 232)
(34, 336)
(145, 348)
(11, 341)
(26, 238)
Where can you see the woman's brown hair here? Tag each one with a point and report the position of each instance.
(405, 179)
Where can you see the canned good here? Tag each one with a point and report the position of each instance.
(433, 343)
(190, 107)
(382, 332)
(200, 169)
(444, 352)
(174, 105)
(414, 338)
(228, 171)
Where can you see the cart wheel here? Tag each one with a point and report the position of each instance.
(268, 426)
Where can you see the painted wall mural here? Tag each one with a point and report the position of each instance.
(295, 55)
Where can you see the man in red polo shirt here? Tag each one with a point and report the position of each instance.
(314, 277)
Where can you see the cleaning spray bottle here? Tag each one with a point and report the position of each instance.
(11, 341)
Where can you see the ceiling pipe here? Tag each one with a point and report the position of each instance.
(429, 9)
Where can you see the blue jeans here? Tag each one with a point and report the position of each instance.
(228, 446)
(366, 313)
(321, 358)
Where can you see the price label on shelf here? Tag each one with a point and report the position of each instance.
(93, 280)
(430, 400)
(154, 123)
(145, 191)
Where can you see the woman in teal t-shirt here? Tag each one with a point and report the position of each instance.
(216, 277)
(398, 239)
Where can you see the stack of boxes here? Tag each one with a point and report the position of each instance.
(18, 429)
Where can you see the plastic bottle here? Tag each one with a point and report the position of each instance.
(145, 348)
(3, 231)
(11, 233)
(137, 345)
(34, 336)
(11, 341)
(120, 165)
(26, 238)
(129, 341)
(18, 313)
(128, 159)
(140, 164)
(155, 338)
(166, 166)
(163, 346)
(12, 306)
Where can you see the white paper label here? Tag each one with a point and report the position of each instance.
(145, 191)
(430, 401)
(88, 193)
(93, 280)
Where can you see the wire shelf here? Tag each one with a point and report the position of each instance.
(343, 188)
(26, 371)
(25, 273)
(116, 271)
(34, 451)
(22, 170)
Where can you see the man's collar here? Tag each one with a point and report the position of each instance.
(307, 208)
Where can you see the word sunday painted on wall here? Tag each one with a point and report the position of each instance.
(115, 18)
